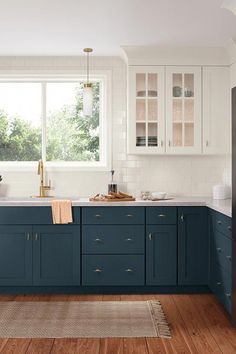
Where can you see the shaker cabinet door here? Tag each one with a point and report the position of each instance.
(161, 255)
(216, 110)
(56, 251)
(193, 246)
(15, 255)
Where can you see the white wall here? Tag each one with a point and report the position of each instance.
(179, 175)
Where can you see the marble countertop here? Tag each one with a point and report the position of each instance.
(222, 206)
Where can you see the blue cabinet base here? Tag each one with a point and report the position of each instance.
(27, 290)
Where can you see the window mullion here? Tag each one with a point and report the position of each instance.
(44, 88)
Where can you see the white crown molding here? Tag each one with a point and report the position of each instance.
(231, 48)
(145, 55)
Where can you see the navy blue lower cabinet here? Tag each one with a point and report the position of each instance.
(161, 255)
(110, 270)
(15, 255)
(56, 255)
(193, 246)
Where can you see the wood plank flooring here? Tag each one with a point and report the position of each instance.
(198, 323)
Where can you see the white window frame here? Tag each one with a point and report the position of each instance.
(105, 122)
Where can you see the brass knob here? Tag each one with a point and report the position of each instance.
(97, 240)
(97, 270)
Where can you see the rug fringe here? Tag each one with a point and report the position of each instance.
(160, 322)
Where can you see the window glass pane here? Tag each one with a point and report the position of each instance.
(70, 135)
(20, 121)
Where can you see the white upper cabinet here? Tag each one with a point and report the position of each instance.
(216, 110)
(183, 110)
(146, 123)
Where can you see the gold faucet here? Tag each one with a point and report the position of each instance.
(43, 188)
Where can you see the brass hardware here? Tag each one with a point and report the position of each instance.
(162, 215)
(229, 258)
(182, 218)
(228, 294)
(28, 237)
(150, 236)
(36, 237)
(42, 188)
(169, 143)
(128, 239)
(219, 222)
(97, 215)
(129, 215)
(97, 270)
(129, 270)
(207, 143)
(88, 50)
(218, 249)
(97, 240)
(219, 283)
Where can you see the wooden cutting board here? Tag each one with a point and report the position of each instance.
(112, 200)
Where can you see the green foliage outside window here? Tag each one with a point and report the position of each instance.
(70, 136)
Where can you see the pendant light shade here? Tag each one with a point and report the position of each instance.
(87, 100)
(230, 5)
(88, 90)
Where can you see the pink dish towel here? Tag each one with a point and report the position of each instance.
(62, 211)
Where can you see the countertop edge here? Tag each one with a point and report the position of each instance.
(222, 206)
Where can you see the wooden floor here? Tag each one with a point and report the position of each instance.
(198, 324)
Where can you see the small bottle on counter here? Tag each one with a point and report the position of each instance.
(112, 186)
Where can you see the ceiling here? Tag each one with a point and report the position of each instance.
(65, 27)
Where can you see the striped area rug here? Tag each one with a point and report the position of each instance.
(85, 319)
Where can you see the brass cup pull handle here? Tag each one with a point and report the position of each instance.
(129, 215)
(97, 240)
(129, 270)
(150, 236)
(182, 218)
(229, 258)
(219, 222)
(97, 270)
(98, 215)
(128, 239)
(161, 215)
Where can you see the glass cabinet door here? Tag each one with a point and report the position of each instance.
(183, 109)
(148, 112)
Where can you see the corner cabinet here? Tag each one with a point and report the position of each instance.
(146, 126)
(183, 110)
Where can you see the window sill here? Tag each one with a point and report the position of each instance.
(53, 167)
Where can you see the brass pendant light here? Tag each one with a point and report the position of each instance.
(88, 90)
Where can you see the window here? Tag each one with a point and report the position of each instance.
(43, 118)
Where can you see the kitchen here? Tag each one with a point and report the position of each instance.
(160, 117)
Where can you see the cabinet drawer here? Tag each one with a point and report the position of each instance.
(222, 223)
(105, 239)
(222, 251)
(161, 215)
(113, 270)
(221, 285)
(113, 215)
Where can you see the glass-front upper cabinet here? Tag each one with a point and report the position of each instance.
(146, 128)
(183, 110)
